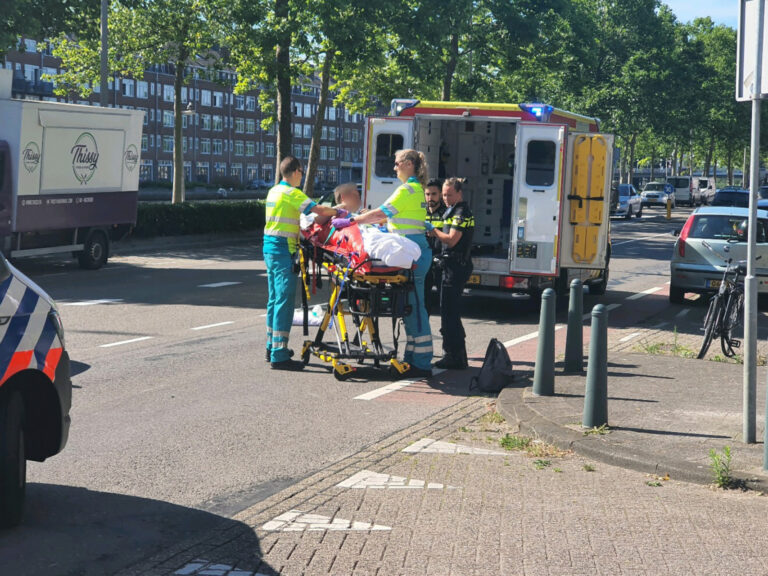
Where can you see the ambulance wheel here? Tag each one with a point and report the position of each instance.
(13, 463)
(95, 251)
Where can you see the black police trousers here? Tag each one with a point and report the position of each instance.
(455, 276)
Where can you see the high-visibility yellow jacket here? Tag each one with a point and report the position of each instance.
(406, 209)
(284, 206)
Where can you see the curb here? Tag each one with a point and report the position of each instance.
(512, 406)
(133, 246)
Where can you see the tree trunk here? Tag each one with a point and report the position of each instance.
(283, 61)
(744, 168)
(632, 142)
(729, 160)
(450, 68)
(674, 161)
(710, 155)
(322, 105)
(653, 164)
(178, 148)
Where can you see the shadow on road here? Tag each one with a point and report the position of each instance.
(71, 530)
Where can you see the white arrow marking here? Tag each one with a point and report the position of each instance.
(429, 446)
(297, 521)
(367, 479)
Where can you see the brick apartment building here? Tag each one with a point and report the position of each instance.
(222, 135)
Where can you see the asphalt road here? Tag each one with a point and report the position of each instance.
(177, 421)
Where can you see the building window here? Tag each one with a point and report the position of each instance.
(167, 93)
(332, 177)
(218, 124)
(239, 125)
(270, 147)
(205, 146)
(203, 172)
(297, 130)
(307, 131)
(217, 147)
(324, 134)
(205, 97)
(184, 94)
(306, 151)
(250, 103)
(347, 155)
(347, 135)
(128, 88)
(297, 150)
(206, 121)
(146, 115)
(168, 118)
(151, 140)
(323, 153)
(167, 143)
(332, 153)
(266, 173)
(184, 121)
(145, 172)
(252, 171)
(220, 168)
(142, 89)
(144, 143)
(239, 102)
(239, 147)
(164, 170)
(249, 149)
(218, 99)
(250, 126)
(332, 133)
(331, 113)
(307, 110)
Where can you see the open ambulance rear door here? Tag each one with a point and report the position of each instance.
(536, 205)
(586, 204)
(384, 137)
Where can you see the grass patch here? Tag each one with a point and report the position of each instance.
(673, 348)
(541, 464)
(588, 468)
(491, 417)
(531, 447)
(720, 464)
(512, 442)
(654, 483)
(598, 430)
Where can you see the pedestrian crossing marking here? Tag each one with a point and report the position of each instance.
(367, 479)
(429, 446)
(297, 521)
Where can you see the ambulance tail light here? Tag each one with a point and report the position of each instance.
(507, 282)
(684, 236)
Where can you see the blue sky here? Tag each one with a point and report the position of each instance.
(721, 11)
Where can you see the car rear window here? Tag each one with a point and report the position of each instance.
(722, 227)
(731, 198)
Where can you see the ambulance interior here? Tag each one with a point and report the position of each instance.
(483, 152)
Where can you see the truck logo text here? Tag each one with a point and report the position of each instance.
(131, 157)
(85, 157)
(31, 157)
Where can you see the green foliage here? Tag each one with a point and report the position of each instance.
(512, 442)
(541, 464)
(198, 218)
(720, 464)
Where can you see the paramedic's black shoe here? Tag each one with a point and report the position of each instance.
(269, 355)
(294, 365)
(449, 362)
(414, 372)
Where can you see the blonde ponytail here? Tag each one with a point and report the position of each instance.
(419, 162)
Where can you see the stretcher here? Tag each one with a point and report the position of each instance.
(363, 291)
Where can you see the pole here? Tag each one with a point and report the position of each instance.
(104, 86)
(596, 394)
(574, 339)
(544, 370)
(750, 282)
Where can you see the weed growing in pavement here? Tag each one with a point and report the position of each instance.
(541, 464)
(558, 470)
(599, 430)
(464, 429)
(588, 468)
(531, 447)
(512, 442)
(654, 483)
(491, 417)
(721, 467)
(665, 348)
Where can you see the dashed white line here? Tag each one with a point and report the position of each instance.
(629, 337)
(527, 337)
(400, 384)
(131, 341)
(682, 313)
(644, 293)
(218, 284)
(213, 325)
(91, 302)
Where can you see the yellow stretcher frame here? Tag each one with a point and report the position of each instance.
(586, 199)
(366, 325)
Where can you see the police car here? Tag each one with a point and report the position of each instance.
(35, 385)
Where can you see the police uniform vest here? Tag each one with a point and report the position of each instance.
(406, 209)
(284, 206)
(459, 216)
(436, 219)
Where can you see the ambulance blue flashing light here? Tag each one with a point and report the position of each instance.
(400, 104)
(541, 111)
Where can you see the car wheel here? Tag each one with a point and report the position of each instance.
(676, 295)
(95, 251)
(639, 213)
(13, 462)
(629, 213)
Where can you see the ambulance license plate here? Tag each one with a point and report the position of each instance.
(474, 279)
(714, 283)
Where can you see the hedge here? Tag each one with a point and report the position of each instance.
(198, 218)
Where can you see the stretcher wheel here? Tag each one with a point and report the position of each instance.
(305, 357)
(341, 377)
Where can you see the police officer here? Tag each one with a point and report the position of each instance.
(285, 202)
(456, 261)
(433, 194)
(406, 213)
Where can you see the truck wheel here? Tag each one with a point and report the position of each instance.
(13, 462)
(599, 288)
(95, 251)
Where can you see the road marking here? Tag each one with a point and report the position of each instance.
(367, 479)
(91, 302)
(212, 325)
(218, 284)
(629, 337)
(429, 446)
(684, 312)
(126, 341)
(200, 567)
(400, 384)
(530, 336)
(614, 244)
(644, 293)
(608, 308)
(659, 326)
(297, 521)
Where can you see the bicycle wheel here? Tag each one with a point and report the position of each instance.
(710, 320)
(734, 311)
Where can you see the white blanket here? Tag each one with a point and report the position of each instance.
(391, 249)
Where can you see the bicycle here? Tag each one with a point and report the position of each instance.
(726, 307)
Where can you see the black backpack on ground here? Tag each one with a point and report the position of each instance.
(496, 370)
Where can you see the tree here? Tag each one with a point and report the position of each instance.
(145, 32)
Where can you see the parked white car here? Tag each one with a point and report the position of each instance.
(657, 193)
(629, 202)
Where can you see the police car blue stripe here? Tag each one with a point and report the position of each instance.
(44, 343)
(16, 327)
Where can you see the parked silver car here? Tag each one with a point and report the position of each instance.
(656, 194)
(629, 202)
(694, 268)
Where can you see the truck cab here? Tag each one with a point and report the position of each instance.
(538, 183)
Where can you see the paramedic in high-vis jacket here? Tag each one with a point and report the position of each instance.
(406, 213)
(285, 203)
(456, 263)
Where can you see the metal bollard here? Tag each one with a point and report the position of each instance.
(544, 371)
(669, 208)
(574, 339)
(596, 396)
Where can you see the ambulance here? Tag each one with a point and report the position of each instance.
(538, 183)
(35, 385)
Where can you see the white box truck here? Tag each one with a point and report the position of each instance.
(538, 184)
(69, 177)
